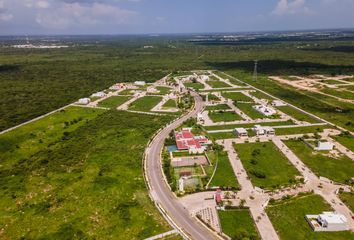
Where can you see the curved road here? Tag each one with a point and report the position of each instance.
(160, 191)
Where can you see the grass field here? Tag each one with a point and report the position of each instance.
(224, 176)
(196, 86)
(145, 104)
(25, 141)
(301, 130)
(266, 166)
(218, 107)
(261, 95)
(163, 90)
(218, 84)
(346, 140)
(238, 224)
(237, 96)
(288, 218)
(212, 97)
(250, 111)
(171, 103)
(338, 169)
(297, 115)
(249, 125)
(348, 199)
(113, 102)
(88, 185)
(219, 116)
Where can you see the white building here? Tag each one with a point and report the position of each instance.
(200, 118)
(328, 222)
(140, 83)
(278, 103)
(98, 94)
(204, 77)
(324, 146)
(263, 131)
(241, 132)
(265, 110)
(84, 101)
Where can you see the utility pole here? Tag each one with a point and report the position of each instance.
(255, 74)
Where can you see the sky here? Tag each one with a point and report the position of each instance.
(18, 17)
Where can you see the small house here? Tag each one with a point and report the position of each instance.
(241, 132)
(98, 95)
(265, 110)
(324, 146)
(328, 222)
(140, 83)
(84, 101)
(278, 103)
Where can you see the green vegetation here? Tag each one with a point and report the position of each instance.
(301, 130)
(86, 185)
(237, 96)
(261, 95)
(224, 176)
(31, 85)
(218, 107)
(288, 218)
(348, 199)
(218, 84)
(212, 97)
(163, 90)
(145, 104)
(221, 116)
(328, 108)
(222, 135)
(339, 169)
(113, 102)
(126, 92)
(194, 85)
(23, 142)
(249, 125)
(238, 224)
(248, 109)
(267, 167)
(346, 140)
(297, 115)
(171, 103)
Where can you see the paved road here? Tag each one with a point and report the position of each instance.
(160, 191)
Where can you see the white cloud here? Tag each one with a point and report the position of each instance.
(42, 4)
(77, 14)
(5, 16)
(286, 7)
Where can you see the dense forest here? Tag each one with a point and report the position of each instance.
(36, 81)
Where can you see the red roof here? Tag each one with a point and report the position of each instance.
(218, 198)
(181, 145)
(185, 140)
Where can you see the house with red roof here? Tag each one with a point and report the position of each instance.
(185, 140)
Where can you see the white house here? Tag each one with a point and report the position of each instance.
(241, 132)
(200, 118)
(278, 103)
(84, 101)
(204, 78)
(98, 94)
(262, 131)
(324, 146)
(328, 222)
(140, 83)
(265, 110)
